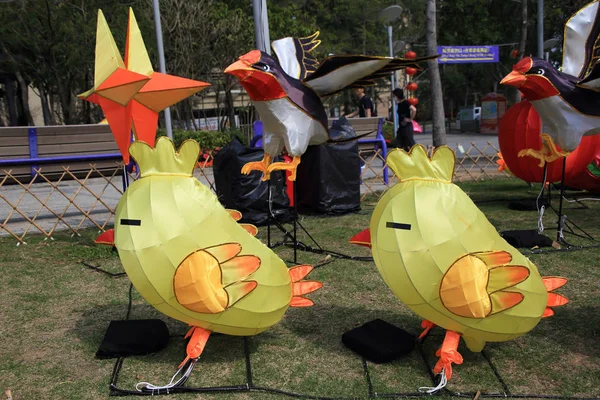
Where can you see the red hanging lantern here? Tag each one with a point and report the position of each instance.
(520, 129)
(411, 71)
(412, 86)
(413, 101)
(411, 55)
(514, 53)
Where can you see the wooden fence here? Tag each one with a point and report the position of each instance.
(74, 178)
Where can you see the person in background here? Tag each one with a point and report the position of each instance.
(406, 112)
(365, 105)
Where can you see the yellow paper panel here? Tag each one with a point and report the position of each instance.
(108, 58)
(137, 57)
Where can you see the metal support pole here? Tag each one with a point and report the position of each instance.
(393, 80)
(261, 25)
(161, 61)
(540, 29)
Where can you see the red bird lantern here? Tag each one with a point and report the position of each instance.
(411, 71)
(412, 86)
(410, 55)
(520, 129)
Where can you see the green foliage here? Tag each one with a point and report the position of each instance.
(388, 131)
(51, 43)
(208, 140)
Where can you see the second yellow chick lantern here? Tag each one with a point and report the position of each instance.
(441, 256)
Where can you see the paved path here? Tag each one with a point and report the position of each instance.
(56, 201)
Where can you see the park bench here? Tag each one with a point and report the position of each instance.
(51, 149)
(372, 146)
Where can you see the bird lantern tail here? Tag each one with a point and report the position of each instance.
(554, 299)
(300, 287)
(362, 238)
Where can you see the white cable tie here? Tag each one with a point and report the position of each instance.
(440, 386)
(561, 226)
(540, 219)
(140, 386)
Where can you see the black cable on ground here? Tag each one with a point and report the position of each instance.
(98, 269)
(496, 373)
(368, 377)
(248, 363)
(130, 302)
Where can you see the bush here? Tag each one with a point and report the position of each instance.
(208, 140)
(388, 131)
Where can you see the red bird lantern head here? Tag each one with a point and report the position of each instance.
(413, 101)
(411, 71)
(412, 86)
(410, 55)
(533, 78)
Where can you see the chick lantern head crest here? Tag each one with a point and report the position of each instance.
(417, 165)
(164, 160)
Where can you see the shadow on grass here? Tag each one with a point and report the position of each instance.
(573, 328)
(327, 323)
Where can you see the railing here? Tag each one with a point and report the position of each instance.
(475, 163)
(73, 199)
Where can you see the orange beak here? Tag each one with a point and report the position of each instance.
(362, 238)
(515, 78)
(242, 68)
(107, 237)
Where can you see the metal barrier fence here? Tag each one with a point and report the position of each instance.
(73, 200)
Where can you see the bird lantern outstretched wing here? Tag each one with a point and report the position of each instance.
(338, 72)
(294, 55)
(581, 41)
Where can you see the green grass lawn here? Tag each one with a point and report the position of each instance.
(54, 312)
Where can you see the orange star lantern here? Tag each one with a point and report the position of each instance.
(160, 92)
(129, 92)
(114, 85)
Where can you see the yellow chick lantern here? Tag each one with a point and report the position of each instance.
(189, 258)
(441, 257)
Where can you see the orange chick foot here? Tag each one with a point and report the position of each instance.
(198, 338)
(427, 326)
(282, 166)
(448, 354)
(262, 166)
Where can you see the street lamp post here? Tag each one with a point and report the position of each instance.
(261, 25)
(387, 16)
(161, 61)
(540, 29)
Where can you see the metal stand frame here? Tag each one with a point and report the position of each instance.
(291, 238)
(562, 224)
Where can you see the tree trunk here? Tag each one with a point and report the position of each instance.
(514, 96)
(437, 101)
(46, 108)
(24, 88)
(11, 101)
(230, 109)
